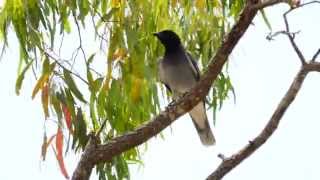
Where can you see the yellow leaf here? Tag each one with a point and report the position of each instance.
(45, 145)
(115, 3)
(120, 53)
(200, 4)
(136, 88)
(174, 3)
(45, 100)
(40, 84)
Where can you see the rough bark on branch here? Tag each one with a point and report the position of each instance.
(96, 153)
(229, 163)
(267, 3)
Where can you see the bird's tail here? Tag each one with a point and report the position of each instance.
(200, 120)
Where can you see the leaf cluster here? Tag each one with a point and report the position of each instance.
(124, 93)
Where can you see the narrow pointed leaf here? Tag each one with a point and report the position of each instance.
(41, 82)
(265, 19)
(45, 145)
(67, 117)
(72, 85)
(21, 77)
(45, 100)
(59, 153)
(59, 141)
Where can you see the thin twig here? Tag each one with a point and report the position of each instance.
(271, 36)
(101, 127)
(80, 38)
(291, 38)
(315, 56)
(63, 67)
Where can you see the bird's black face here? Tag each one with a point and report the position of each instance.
(169, 39)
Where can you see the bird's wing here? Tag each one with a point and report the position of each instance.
(194, 66)
(195, 70)
(161, 75)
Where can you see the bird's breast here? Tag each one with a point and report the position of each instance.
(179, 77)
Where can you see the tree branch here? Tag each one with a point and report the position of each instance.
(105, 152)
(315, 56)
(229, 163)
(291, 38)
(312, 66)
(268, 3)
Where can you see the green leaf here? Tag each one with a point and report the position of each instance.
(56, 105)
(90, 59)
(21, 77)
(93, 112)
(46, 65)
(72, 85)
(101, 103)
(84, 9)
(109, 14)
(80, 131)
(265, 19)
(70, 102)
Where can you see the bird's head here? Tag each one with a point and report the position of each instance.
(169, 39)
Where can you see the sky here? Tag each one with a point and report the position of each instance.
(261, 72)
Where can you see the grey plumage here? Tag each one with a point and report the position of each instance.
(179, 72)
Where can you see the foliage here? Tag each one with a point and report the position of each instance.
(122, 95)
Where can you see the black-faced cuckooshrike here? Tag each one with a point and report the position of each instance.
(179, 72)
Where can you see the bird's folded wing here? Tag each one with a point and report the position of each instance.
(160, 75)
(194, 66)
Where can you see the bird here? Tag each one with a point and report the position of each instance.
(179, 72)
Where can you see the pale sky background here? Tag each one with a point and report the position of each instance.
(261, 73)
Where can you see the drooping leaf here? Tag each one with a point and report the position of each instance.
(72, 85)
(265, 19)
(21, 77)
(115, 3)
(69, 101)
(67, 117)
(40, 84)
(54, 101)
(45, 100)
(93, 111)
(90, 59)
(80, 131)
(59, 153)
(46, 65)
(59, 141)
(45, 145)
(200, 4)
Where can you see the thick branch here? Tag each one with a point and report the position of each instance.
(268, 3)
(312, 66)
(229, 163)
(105, 152)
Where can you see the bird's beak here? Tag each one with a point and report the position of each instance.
(156, 34)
